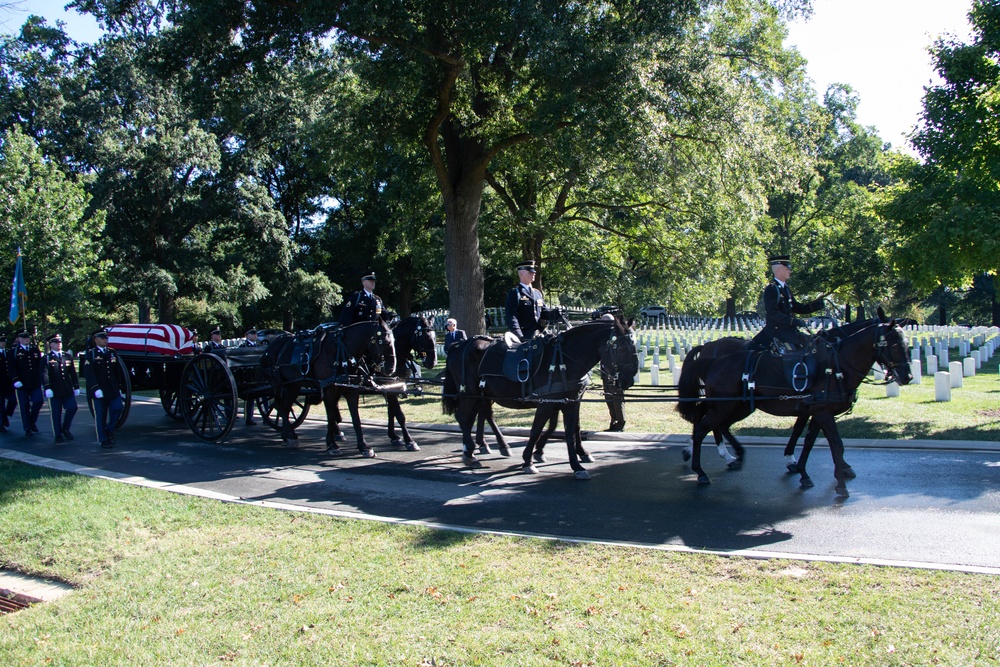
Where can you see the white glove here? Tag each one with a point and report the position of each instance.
(76, 392)
(98, 394)
(18, 384)
(48, 393)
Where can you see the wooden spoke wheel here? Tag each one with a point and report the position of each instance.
(265, 406)
(125, 384)
(168, 399)
(208, 398)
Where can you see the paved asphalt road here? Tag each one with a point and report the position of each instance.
(932, 507)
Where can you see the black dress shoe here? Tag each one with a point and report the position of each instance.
(111, 439)
(107, 444)
(67, 435)
(59, 438)
(28, 434)
(34, 429)
(251, 422)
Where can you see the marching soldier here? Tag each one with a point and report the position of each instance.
(8, 395)
(251, 339)
(62, 386)
(364, 305)
(26, 374)
(98, 366)
(525, 304)
(780, 308)
(215, 345)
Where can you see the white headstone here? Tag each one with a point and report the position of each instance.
(968, 367)
(892, 390)
(931, 364)
(915, 371)
(942, 386)
(955, 368)
(654, 375)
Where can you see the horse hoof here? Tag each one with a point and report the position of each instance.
(586, 458)
(412, 447)
(581, 474)
(396, 442)
(704, 479)
(471, 461)
(735, 465)
(539, 457)
(686, 454)
(806, 483)
(340, 437)
(289, 443)
(334, 450)
(842, 492)
(504, 451)
(792, 468)
(368, 453)
(529, 469)
(849, 473)
(485, 449)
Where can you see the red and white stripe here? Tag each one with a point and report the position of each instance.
(168, 339)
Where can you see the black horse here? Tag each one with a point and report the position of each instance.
(849, 359)
(330, 359)
(414, 337)
(563, 365)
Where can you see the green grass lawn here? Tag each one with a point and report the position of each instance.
(172, 580)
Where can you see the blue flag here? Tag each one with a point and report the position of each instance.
(18, 295)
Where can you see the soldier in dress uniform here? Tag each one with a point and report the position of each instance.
(525, 304)
(26, 374)
(214, 344)
(780, 308)
(250, 341)
(364, 305)
(251, 338)
(62, 386)
(8, 395)
(98, 366)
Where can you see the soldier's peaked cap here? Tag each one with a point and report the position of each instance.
(54, 338)
(784, 260)
(214, 331)
(528, 265)
(100, 333)
(23, 334)
(368, 275)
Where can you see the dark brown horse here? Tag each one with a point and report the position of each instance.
(725, 399)
(331, 360)
(563, 366)
(415, 340)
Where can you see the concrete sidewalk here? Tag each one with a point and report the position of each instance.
(30, 590)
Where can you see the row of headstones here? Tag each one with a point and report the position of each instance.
(673, 323)
(938, 350)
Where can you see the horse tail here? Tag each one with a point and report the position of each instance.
(449, 396)
(689, 387)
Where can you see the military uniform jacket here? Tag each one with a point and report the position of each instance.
(524, 309)
(59, 375)
(250, 343)
(99, 370)
(780, 308)
(6, 386)
(215, 348)
(361, 307)
(26, 366)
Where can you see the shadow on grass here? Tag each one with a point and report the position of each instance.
(868, 428)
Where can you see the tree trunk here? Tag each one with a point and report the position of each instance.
(847, 313)
(463, 265)
(167, 308)
(861, 311)
(404, 274)
(287, 322)
(731, 309)
(942, 313)
(996, 304)
(145, 311)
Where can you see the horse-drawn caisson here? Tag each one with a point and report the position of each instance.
(280, 380)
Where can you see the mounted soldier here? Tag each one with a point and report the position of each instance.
(780, 307)
(364, 305)
(525, 304)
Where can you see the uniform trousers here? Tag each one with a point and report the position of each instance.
(63, 410)
(8, 404)
(106, 414)
(30, 401)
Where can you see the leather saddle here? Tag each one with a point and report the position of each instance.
(301, 350)
(517, 364)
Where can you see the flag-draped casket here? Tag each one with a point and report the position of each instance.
(166, 339)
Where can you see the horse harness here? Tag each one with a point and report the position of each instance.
(302, 351)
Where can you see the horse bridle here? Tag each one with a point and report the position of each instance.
(380, 340)
(882, 348)
(612, 345)
(417, 336)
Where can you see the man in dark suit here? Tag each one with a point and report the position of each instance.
(8, 395)
(364, 305)
(98, 366)
(524, 304)
(62, 386)
(780, 308)
(26, 374)
(452, 334)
